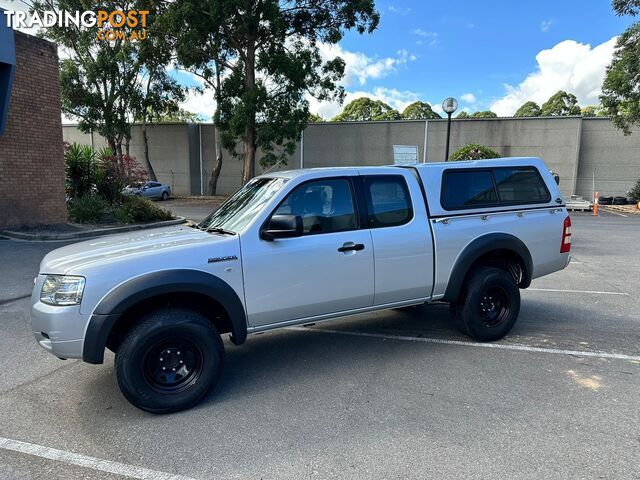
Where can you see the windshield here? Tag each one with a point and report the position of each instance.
(242, 207)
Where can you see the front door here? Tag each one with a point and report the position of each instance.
(328, 269)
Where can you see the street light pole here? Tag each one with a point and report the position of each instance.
(446, 152)
(449, 106)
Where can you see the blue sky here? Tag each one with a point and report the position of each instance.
(487, 49)
(490, 54)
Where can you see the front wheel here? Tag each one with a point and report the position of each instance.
(169, 361)
(490, 305)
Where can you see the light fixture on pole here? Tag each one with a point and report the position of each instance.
(449, 106)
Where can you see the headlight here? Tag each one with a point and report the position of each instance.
(62, 290)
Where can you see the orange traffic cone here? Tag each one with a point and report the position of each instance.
(595, 204)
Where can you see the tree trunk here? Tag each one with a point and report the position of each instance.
(147, 162)
(215, 174)
(112, 145)
(249, 167)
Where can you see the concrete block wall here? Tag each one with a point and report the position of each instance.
(555, 140)
(571, 146)
(614, 156)
(31, 149)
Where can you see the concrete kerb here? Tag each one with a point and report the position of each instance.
(96, 232)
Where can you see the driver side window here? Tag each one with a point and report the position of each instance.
(325, 206)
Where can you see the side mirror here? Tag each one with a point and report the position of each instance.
(283, 226)
(556, 177)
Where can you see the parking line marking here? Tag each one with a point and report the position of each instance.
(93, 463)
(596, 292)
(499, 346)
(615, 213)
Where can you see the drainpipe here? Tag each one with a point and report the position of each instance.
(200, 145)
(302, 150)
(424, 148)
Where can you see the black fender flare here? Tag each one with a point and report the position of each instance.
(150, 285)
(479, 247)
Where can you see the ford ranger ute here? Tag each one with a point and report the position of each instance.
(299, 247)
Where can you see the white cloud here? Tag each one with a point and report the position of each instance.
(396, 98)
(468, 97)
(399, 10)
(569, 65)
(359, 67)
(423, 33)
(545, 25)
(203, 104)
(426, 37)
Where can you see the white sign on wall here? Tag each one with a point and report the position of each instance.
(405, 154)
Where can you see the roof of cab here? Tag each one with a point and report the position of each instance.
(323, 171)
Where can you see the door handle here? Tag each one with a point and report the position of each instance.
(347, 247)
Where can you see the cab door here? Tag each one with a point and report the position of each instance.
(401, 235)
(328, 269)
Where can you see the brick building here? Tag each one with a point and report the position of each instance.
(31, 152)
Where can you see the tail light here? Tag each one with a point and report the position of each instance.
(565, 246)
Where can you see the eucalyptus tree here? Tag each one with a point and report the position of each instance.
(267, 55)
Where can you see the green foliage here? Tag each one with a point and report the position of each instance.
(621, 88)
(269, 54)
(561, 104)
(178, 116)
(529, 109)
(593, 111)
(96, 180)
(463, 114)
(419, 111)
(365, 109)
(117, 172)
(474, 151)
(484, 114)
(87, 209)
(626, 7)
(81, 169)
(134, 209)
(313, 118)
(635, 191)
(104, 85)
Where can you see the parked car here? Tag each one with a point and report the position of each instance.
(155, 190)
(297, 247)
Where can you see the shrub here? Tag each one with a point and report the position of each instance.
(87, 209)
(474, 151)
(635, 191)
(116, 173)
(138, 209)
(81, 169)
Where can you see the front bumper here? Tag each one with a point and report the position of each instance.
(59, 330)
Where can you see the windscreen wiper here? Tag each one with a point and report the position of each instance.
(219, 230)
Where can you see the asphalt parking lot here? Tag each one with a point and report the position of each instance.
(388, 395)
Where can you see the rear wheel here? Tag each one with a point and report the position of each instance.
(490, 305)
(164, 195)
(169, 361)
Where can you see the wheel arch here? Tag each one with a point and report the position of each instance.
(157, 287)
(490, 249)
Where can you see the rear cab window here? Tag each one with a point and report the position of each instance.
(388, 201)
(492, 187)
